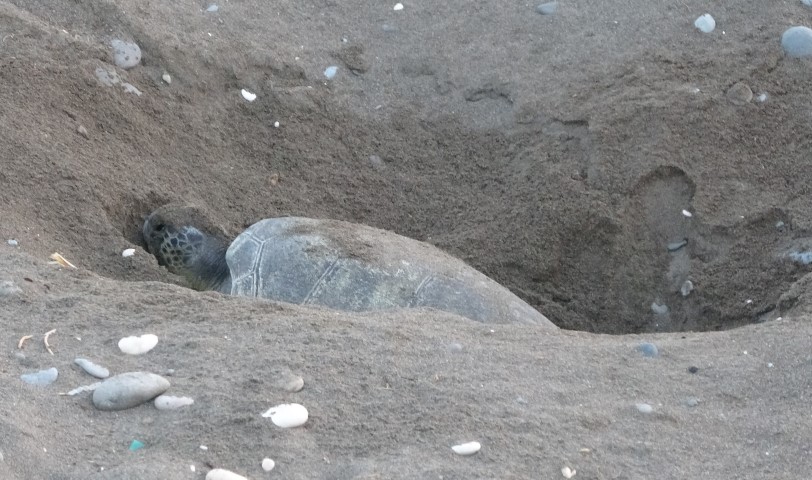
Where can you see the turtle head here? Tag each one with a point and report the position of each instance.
(188, 245)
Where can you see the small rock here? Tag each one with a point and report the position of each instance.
(376, 161)
(548, 8)
(676, 246)
(644, 408)
(107, 78)
(739, 94)
(287, 415)
(138, 345)
(221, 474)
(797, 41)
(779, 225)
(268, 464)
(91, 368)
(398, 7)
(658, 308)
(167, 402)
(166, 78)
(691, 402)
(12, 242)
(83, 131)
(466, 449)
(136, 445)
(686, 288)
(648, 349)
(41, 378)
(212, 8)
(330, 72)
(128, 390)
(762, 97)
(126, 55)
(568, 472)
(130, 88)
(804, 258)
(705, 23)
(8, 289)
(693, 369)
(688, 214)
(128, 252)
(250, 96)
(455, 347)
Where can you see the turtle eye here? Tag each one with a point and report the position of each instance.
(160, 227)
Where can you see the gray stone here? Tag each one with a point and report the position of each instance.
(548, 8)
(8, 289)
(42, 378)
(797, 42)
(128, 390)
(91, 368)
(126, 55)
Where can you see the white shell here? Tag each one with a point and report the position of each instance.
(221, 474)
(168, 402)
(138, 345)
(687, 213)
(268, 464)
(469, 448)
(129, 252)
(248, 95)
(398, 6)
(287, 415)
(567, 472)
(644, 408)
(166, 78)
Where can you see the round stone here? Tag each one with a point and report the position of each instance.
(128, 390)
(797, 41)
(287, 415)
(739, 94)
(41, 378)
(648, 349)
(126, 55)
(91, 368)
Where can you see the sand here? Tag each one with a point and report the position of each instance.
(556, 154)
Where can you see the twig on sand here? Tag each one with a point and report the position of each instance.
(22, 341)
(45, 339)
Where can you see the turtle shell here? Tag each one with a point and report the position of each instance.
(358, 268)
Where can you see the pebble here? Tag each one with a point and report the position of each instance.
(568, 472)
(686, 288)
(268, 464)
(287, 415)
(128, 252)
(128, 390)
(548, 8)
(797, 41)
(804, 258)
(212, 8)
(644, 408)
(168, 402)
(648, 349)
(130, 88)
(659, 309)
(8, 288)
(469, 448)
(330, 72)
(83, 131)
(91, 368)
(12, 242)
(691, 401)
(248, 95)
(138, 345)
(42, 378)
(221, 474)
(455, 347)
(398, 6)
(693, 369)
(107, 78)
(705, 23)
(687, 213)
(166, 78)
(739, 94)
(126, 55)
(136, 445)
(675, 246)
(761, 98)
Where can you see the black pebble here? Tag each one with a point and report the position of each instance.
(693, 369)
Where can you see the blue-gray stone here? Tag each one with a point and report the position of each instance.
(126, 55)
(797, 41)
(330, 72)
(91, 368)
(648, 349)
(128, 390)
(801, 257)
(548, 8)
(43, 377)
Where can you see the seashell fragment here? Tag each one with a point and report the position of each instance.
(138, 345)
(248, 95)
(469, 448)
(287, 415)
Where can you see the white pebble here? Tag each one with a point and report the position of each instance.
(166, 78)
(276, 124)
(568, 472)
(12, 242)
(644, 408)
(128, 252)
(762, 97)
(330, 72)
(203, 447)
(287, 415)
(168, 402)
(687, 213)
(469, 448)
(268, 464)
(705, 23)
(248, 95)
(221, 474)
(138, 345)
(126, 55)
(212, 8)
(687, 288)
(398, 6)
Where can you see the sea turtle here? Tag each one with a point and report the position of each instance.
(331, 263)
